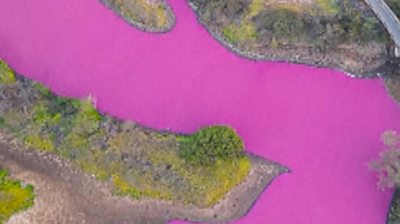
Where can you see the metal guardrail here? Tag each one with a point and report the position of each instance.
(389, 20)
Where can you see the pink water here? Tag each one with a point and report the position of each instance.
(322, 124)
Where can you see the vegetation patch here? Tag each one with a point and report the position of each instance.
(210, 144)
(343, 34)
(307, 23)
(236, 34)
(6, 74)
(14, 196)
(147, 15)
(194, 169)
(394, 5)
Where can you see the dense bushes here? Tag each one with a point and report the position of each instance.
(14, 197)
(210, 144)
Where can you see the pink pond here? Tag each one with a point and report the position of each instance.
(320, 123)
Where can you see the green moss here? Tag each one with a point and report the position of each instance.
(14, 197)
(6, 74)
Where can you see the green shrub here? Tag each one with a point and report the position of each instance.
(210, 144)
(6, 74)
(14, 197)
(42, 89)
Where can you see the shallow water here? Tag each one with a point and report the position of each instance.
(322, 124)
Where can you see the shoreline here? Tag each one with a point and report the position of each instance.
(87, 199)
(298, 57)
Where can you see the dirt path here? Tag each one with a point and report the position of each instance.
(65, 195)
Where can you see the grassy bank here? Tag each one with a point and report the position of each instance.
(194, 169)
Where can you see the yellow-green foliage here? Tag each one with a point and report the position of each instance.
(329, 7)
(124, 188)
(6, 74)
(293, 7)
(147, 13)
(155, 11)
(39, 142)
(87, 119)
(255, 8)
(148, 189)
(202, 185)
(42, 89)
(222, 178)
(243, 32)
(13, 196)
(207, 184)
(41, 116)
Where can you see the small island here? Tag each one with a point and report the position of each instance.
(150, 16)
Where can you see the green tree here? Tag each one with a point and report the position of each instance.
(210, 144)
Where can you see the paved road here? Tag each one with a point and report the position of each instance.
(387, 16)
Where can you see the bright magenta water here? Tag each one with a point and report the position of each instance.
(322, 124)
